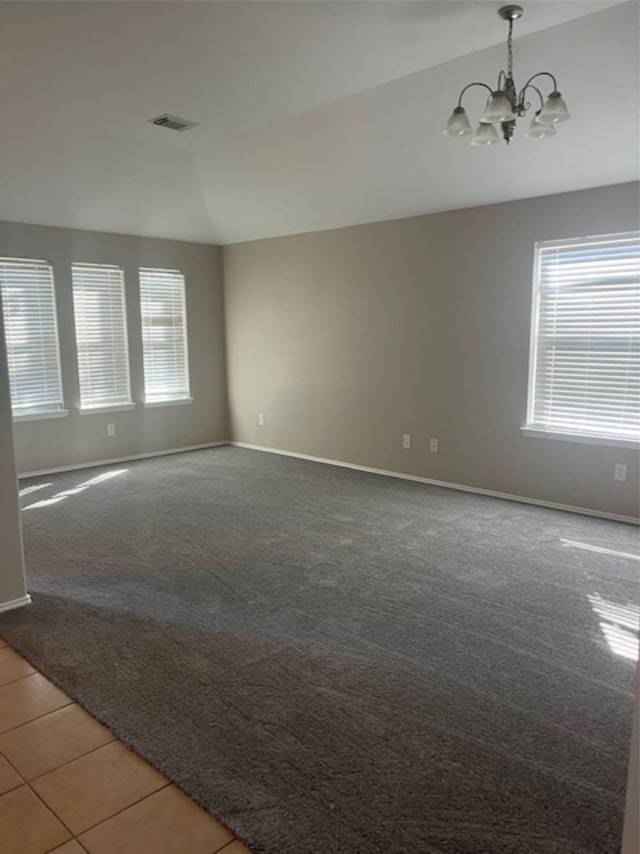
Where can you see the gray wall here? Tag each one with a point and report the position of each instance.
(347, 339)
(81, 438)
(12, 579)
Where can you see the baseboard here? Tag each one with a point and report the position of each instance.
(460, 487)
(538, 502)
(15, 603)
(115, 460)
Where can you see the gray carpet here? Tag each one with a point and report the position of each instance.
(331, 661)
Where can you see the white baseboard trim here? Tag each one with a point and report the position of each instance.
(115, 460)
(538, 502)
(15, 603)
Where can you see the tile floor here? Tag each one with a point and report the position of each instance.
(68, 786)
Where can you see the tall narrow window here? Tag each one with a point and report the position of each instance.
(585, 356)
(164, 335)
(31, 330)
(101, 335)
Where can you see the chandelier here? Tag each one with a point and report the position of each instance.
(505, 104)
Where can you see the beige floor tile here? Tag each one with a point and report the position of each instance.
(71, 847)
(235, 847)
(167, 822)
(52, 740)
(27, 699)
(94, 787)
(26, 825)
(8, 777)
(13, 666)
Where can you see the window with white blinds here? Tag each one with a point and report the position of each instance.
(164, 335)
(101, 335)
(31, 331)
(585, 357)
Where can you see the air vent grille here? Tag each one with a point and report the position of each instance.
(166, 120)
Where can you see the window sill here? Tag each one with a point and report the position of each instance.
(175, 402)
(41, 416)
(114, 407)
(581, 438)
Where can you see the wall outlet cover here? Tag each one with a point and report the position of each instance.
(620, 472)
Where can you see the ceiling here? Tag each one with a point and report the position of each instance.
(312, 115)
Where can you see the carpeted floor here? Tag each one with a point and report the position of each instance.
(334, 662)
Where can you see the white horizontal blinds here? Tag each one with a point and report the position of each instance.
(586, 373)
(31, 330)
(101, 335)
(164, 335)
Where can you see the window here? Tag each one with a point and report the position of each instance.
(31, 330)
(101, 336)
(585, 350)
(164, 336)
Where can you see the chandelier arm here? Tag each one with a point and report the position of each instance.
(524, 89)
(469, 85)
(502, 79)
(542, 74)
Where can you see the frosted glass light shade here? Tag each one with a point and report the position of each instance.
(485, 134)
(498, 108)
(538, 130)
(554, 110)
(458, 124)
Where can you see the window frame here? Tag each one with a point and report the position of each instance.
(169, 401)
(38, 413)
(530, 428)
(110, 406)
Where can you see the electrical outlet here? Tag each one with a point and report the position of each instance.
(433, 446)
(260, 419)
(406, 440)
(111, 429)
(620, 472)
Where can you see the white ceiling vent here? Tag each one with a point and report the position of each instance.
(166, 120)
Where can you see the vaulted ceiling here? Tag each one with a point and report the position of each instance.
(311, 115)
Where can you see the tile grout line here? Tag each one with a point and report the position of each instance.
(228, 845)
(124, 809)
(44, 715)
(73, 839)
(36, 673)
(69, 761)
(51, 810)
(23, 782)
(53, 813)
(46, 806)
(27, 783)
(20, 678)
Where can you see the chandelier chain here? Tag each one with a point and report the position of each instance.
(510, 49)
